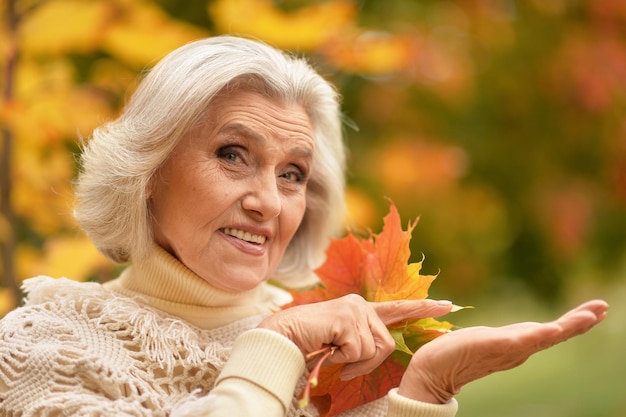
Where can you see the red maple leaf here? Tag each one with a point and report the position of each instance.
(376, 268)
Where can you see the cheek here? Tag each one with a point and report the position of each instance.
(294, 217)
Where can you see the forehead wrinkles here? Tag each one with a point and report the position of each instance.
(260, 114)
(273, 123)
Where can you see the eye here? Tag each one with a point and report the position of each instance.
(230, 153)
(295, 175)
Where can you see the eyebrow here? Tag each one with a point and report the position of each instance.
(302, 151)
(245, 130)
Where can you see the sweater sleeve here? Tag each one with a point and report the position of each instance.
(395, 405)
(400, 406)
(259, 379)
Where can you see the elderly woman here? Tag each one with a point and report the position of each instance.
(225, 169)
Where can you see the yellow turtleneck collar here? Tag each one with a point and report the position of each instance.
(163, 282)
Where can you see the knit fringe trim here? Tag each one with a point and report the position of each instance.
(160, 335)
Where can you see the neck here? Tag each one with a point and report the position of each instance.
(166, 284)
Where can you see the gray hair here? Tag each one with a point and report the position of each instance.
(119, 160)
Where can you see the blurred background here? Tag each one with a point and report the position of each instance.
(501, 124)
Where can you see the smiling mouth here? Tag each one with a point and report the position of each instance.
(246, 236)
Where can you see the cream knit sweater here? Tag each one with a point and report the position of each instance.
(157, 341)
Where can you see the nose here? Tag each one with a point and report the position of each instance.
(263, 198)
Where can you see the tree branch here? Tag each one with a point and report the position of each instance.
(8, 243)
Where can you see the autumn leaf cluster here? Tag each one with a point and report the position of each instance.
(376, 268)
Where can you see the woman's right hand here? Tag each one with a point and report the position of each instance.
(440, 368)
(356, 327)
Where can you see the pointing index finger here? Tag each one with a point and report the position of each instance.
(398, 310)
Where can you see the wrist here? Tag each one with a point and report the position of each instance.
(274, 324)
(419, 387)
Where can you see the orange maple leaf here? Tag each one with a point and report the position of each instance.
(376, 268)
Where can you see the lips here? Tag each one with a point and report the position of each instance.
(245, 236)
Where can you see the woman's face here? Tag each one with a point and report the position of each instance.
(233, 193)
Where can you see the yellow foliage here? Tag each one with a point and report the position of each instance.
(138, 32)
(49, 121)
(144, 34)
(372, 53)
(414, 166)
(47, 212)
(84, 109)
(42, 192)
(5, 229)
(59, 26)
(360, 211)
(26, 259)
(442, 63)
(7, 301)
(65, 256)
(50, 108)
(33, 78)
(6, 43)
(42, 167)
(113, 76)
(306, 29)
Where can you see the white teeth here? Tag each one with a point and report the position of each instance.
(247, 236)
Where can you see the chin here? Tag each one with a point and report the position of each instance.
(241, 286)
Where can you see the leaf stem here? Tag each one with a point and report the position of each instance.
(312, 380)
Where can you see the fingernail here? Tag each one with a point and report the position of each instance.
(444, 302)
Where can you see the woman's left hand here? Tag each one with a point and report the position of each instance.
(440, 368)
(356, 327)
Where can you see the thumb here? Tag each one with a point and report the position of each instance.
(391, 312)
